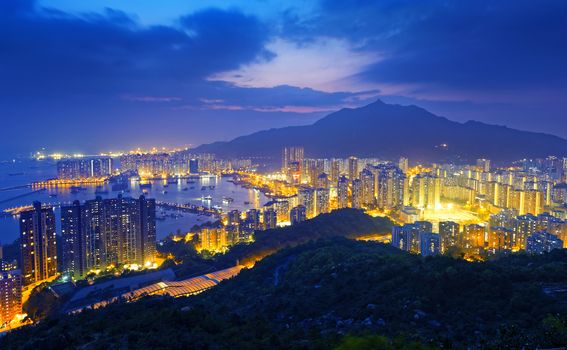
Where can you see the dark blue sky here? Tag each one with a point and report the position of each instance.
(86, 76)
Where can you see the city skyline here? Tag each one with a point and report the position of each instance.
(256, 65)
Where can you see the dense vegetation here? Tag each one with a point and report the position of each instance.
(338, 293)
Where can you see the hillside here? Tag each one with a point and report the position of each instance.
(338, 294)
(391, 131)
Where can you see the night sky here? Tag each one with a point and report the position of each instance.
(89, 76)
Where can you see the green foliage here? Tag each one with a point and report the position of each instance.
(337, 293)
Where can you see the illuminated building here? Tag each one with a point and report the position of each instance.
(525, 225)
(270, 219)
(357, 194)
(84, 168)
(342, 192)
(553, 225)
(559, 193)
(429, 243)
(297, 214)
(473, 237)
(500, 239)
(367, 183)
(307, 199)
(335, 170)
(352, 168)
(194, 166)
(449, 234)
(252, 220)
(291, 155)
(542, 242)
(213, 239)
(322, 201)
(73, 255)
(233, 217)
(103, 232)
(406, 238)
(426, 191)
(10, 295)
(403, 164)
(323, 181)
(390, 186)
(483, 164)
(423, 226)
(38, 244)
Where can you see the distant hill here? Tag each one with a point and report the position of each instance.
(342, 294)
(390, 131)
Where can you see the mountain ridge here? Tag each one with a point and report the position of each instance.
(390, 131)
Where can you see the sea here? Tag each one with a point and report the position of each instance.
(17, 173)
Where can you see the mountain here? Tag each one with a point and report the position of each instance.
(390, 131)
(337, 293)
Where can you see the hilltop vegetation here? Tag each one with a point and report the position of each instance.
(338, 293)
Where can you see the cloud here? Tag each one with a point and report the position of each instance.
(325, 64)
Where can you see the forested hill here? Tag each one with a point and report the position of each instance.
(338, 293)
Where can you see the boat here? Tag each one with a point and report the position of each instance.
(191, 181)
(164, 192)
(203, 188)
(211, 187)
(185, 189)
(247, 203)
(53, 195)
(146, 185)
(207, 198)
(172, 182)
(227, 200)
(192, 187)
(15, 174)
(166, 185)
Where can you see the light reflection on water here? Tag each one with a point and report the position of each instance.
(179, 192)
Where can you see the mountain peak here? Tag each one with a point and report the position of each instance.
(389, 131)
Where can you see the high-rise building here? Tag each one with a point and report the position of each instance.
(342, 192)
(291, 155)
(429, 243)
(449, 234)
(483, 164)
(10, 295)
(84, 168)
(406, 238)
(335, 170)
(104, 232)
(542, 242)
(426, 191)
(323, 181)
(213, 239)
(526, 225)
(307, 199)
(390, 187)
(233, 217)
(194, 166)
(322, 201)
(367, 182)
(270, 219)
(352, 168)
(252, 220)
(38, 244)
(403, 164)
(297, 214)
(500, 239)
(423, 226)
(473, 237)
(357, 194)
